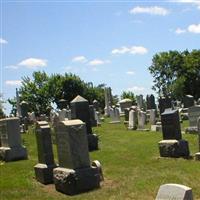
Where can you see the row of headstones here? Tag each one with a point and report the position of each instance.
(74, 173)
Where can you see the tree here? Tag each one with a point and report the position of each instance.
(128, 95)
(176, 73)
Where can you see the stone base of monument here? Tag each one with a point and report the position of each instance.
(143, 129)
(156, 128)
(72, 182)
(174, 148)
(92, 142)
(44, 173)
(197, 156)
(114, 122)
(191, 130)
(11, 154)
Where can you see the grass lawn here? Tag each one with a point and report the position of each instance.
(131, 166)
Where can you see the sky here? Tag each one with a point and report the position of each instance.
(111, 42)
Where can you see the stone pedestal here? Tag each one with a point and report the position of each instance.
(71, 182)
(174, 148)
(12, 148)
(197, 156)
(44, 173)
(11, 154)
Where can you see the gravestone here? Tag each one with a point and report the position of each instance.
(24, 109)
(140, 101)
(152, 118)
(97, 118)
(69, 114)
(164, 103)
(132, 125)
(11, 148)
(150, 102)
(92, 116)
(172, 144)
(188, 101)
(96, 105)
(125, 103)
(197, 155)
(46, 164)
(62, 104)
(74, 174)
(80, 110)
(108, 101)
(141, 121)
(114, 115)
(126, 115)
(174, 192)
(62, 114)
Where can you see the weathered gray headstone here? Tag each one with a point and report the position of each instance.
(193, 114)
(80, 110)
(174, 192)
(140, 101)
(46, 164)
(11, 145)
(141, 119)
(92, 116)
(152, 118)
(114, 115)
(74, 174)
(132, 125)
(108, 101)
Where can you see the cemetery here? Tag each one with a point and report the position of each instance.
(100, 100)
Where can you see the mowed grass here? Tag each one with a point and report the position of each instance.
(131, 166)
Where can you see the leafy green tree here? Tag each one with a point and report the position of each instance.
(128, 95)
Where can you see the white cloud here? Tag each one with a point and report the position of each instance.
(11, 67)
(136, 89)
(132, 50)
(13, 82)
(3, 41)
(98, 62)
(81, 59)
(33, 63)
(194, 28)
(130, 72)
(194, 2)
(180, 31)
(153, 10)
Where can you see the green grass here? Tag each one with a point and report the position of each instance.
(131, 166)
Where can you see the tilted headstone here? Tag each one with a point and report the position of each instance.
(188, 101)
(80, 110)
(11, 144)
(164, 103)
(74, 174)
(132, 125)
(46, 164)
(174, 192)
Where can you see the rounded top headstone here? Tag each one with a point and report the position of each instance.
(79, 99)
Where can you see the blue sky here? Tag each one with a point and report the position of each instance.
(109, 42)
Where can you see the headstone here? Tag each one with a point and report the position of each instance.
(115, 116)
(96, 105)
(132, 125)
(97, 118)
(125, 103)
(32, 117)
(69, 114)
(74, 174)
(126, 115)
(193, 114)
(197, 155)
(140, 101)
(172, 144)
(62, 114)
(164, 103)
(188, 101)
(92, 116)
(152, 118)
(11, 147)
(24, 109)
(46, 164)
(150, 102)
(108, 101)
(141, 120)
(174, 191)
(80, 110)
(62, 104)
(170, 124)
